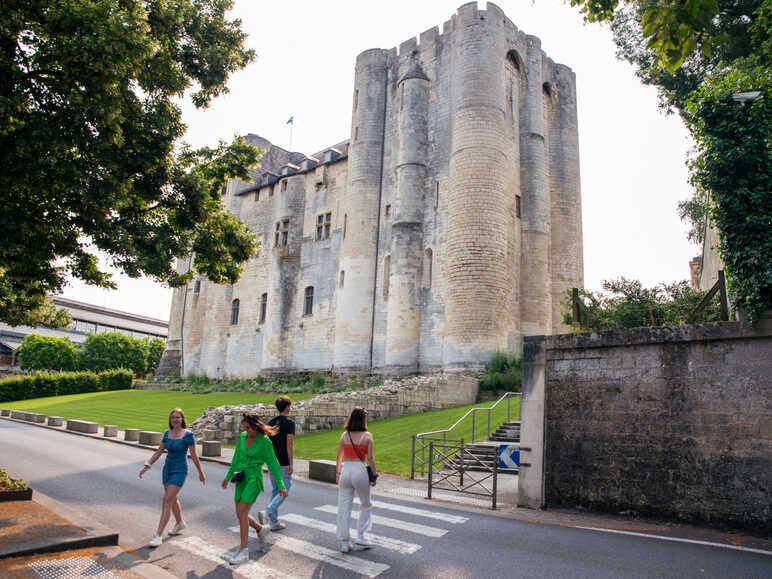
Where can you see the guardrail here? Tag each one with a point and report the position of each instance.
(422, 440)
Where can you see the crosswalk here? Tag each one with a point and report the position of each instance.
(321, 550)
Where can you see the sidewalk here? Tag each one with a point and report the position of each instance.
(44, 538)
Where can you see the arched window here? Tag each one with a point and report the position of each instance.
(547, 89)
(308, 309)
(514, 60)
(263, 307)
(427, 268)
(235, 312)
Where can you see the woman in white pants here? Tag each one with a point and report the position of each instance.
(355, 445)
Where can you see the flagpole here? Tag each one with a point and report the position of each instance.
(292, 126)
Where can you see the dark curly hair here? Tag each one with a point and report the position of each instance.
(254, 420)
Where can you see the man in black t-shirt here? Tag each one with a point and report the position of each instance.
(283, 446)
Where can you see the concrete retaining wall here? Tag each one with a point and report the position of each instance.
(673, 422)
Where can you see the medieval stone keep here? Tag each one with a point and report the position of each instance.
(447, 227)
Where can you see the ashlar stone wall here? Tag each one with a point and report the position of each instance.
(672, 422)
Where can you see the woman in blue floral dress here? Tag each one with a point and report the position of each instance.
(176, 441)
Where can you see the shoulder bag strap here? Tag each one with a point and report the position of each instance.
(359, 456)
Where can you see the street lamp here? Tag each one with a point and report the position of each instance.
(746, 97)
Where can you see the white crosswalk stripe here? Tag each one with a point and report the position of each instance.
(389, 522)
(455, 519)
(329, 556)
(250, 570)
(401, 547)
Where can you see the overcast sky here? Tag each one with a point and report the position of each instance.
(632, 156)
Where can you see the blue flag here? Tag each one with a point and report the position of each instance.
(291, 120)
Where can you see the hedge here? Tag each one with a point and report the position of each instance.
(57, 384)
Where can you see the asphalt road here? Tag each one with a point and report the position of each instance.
(414, 539)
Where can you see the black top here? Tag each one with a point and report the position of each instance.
(286, 426)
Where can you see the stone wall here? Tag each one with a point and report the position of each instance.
(326, 411)
(673, 422)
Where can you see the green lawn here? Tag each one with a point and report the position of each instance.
(143, 409)
(393, 436)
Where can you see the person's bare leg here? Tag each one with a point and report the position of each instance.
(170, 498)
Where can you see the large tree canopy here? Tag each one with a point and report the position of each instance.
(699, 54)
(89, 153)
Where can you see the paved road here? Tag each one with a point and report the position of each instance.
(414, 539)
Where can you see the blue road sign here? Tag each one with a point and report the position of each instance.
(509, 456)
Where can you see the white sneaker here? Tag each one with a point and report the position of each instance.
(230, 553)
(278, 526)
(363, 543)
(264, 536)
(242, 556)
(155, 541)
(178, 528)
(345, 547)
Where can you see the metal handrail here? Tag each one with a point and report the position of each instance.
(506, 396)
(473, 411)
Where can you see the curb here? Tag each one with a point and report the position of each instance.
(99, 536)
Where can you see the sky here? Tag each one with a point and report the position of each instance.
(632, 156)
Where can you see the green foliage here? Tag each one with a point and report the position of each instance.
(671, 35)
(48, 353)
(9, 484)
(25, 309)
(317, 381)
(89, 131)
(505, 372)
(734, 163)
(114, 350)
(155, 350)
(625, 303)
(694, 211)
(44, 384)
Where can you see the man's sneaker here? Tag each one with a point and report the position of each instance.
(155, 541)
(278, 526)
(242, 556)
(363, 543)
(264, 536)
(262, 518)
(178, 528)
(345, 547)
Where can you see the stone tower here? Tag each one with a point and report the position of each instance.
(447, 227)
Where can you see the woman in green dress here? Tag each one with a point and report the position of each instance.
(253, 449)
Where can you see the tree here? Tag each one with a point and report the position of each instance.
(89, 153)
(155, 349)
(29, 308)
(698, 53)
(625, 303)
(48, 353)
(112, 350)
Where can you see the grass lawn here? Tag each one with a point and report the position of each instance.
(143, 409)
(393, 436)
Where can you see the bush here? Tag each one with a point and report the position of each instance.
(47, 353)
(44, 384)
(115, 350)
(505, 372)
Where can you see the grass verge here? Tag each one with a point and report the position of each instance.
(143, 409)
(393, 436)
